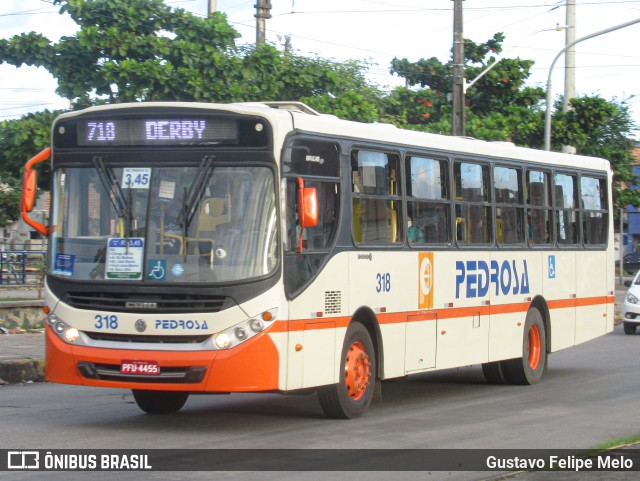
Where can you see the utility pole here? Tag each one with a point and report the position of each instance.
(457, 98)
(263, 12)
(211, 7)
(570, 65)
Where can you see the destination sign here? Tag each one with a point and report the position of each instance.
(157, 131)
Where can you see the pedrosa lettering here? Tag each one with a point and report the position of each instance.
(477, 277)
(181, 324)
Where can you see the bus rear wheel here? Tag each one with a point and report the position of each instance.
(160, 402)
(529, 368)
(351, 397)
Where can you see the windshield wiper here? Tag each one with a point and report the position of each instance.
(110, 184)
(195, 193)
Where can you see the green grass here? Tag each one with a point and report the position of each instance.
(613, 443)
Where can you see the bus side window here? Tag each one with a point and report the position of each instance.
(566, 205)
(428, 209)
(376, 199)
(473, 211)
(539, 208)
(594, 215)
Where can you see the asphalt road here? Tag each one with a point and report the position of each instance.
(589, 396)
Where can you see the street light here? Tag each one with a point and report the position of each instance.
(547, 116)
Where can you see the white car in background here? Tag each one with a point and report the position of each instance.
(631, 306)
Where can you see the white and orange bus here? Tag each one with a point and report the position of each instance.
(263, 247)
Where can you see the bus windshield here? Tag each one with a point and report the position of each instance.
(199, 223)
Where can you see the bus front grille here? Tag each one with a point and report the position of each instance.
(147, 303)
(147, 339)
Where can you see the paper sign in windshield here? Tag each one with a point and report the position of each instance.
(124, 258)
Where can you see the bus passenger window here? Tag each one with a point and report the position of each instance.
(376, 198)
(473, 211)
(509, 205)
(539, 212)
(594, 216)
(428, 209)
(566, 206)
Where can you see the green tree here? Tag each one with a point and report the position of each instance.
(599, 128)
(143, 50)
(10, 195)
(21, 139)
(496, 103)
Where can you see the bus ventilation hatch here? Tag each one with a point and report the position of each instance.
(333, 302)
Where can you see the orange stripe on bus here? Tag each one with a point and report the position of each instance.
(446, 313)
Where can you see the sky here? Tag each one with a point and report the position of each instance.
(379, 30)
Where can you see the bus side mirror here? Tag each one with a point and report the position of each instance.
(29, 188)
(307, 207)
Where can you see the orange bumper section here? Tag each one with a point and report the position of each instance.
(249, 367)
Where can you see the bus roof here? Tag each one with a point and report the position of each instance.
(306, 119)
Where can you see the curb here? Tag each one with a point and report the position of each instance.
(21, 371)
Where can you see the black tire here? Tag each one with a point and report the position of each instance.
(494, 372)
(529, 368)
(160, 402)
(629, 328)
(351, 397)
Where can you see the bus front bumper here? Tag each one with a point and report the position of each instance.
(249, 367)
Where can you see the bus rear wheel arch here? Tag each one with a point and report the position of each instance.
(352, 395)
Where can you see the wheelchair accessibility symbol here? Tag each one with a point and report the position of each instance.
(157, 270)
(552, 267)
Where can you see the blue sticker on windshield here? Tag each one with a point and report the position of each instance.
(64, 264)
(157, 270)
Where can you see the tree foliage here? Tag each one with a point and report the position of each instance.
(592, 118)
(143, 50)
(495, 103)
(10, 195)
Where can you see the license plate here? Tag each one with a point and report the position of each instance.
(140, 367)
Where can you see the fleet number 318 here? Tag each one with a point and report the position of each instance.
(383, 282)
(106, 321)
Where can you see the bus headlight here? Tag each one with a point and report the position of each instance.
(222, 340)
(256, 325)
(62, 329)
(240, 333)
(71, 334)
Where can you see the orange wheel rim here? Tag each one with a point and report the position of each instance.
(535, 347)
(357, 371)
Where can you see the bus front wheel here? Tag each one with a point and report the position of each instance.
(529, 368)
(351, 397)
(160, 402)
